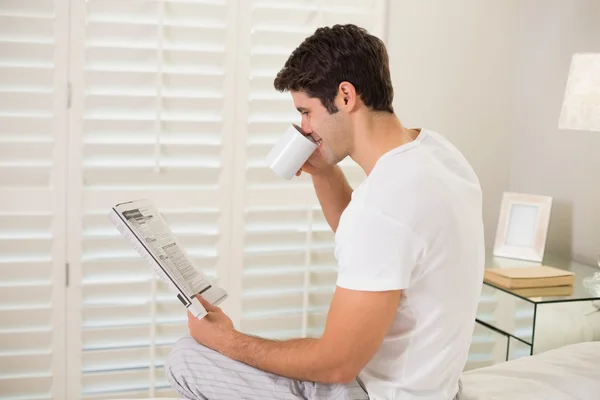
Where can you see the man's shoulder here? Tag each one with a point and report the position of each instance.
(394, 193)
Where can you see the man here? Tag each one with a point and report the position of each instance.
(408, 242)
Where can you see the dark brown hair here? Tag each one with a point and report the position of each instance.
(336, 54)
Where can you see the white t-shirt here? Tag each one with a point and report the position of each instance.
(416, 224)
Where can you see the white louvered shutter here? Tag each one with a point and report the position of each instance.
(33, 54)
(288, 266)
(150, 119)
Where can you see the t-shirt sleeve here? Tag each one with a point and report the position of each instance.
(375, 252)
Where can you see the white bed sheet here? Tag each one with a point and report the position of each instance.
(568, 373)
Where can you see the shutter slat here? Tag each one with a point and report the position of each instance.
(129, 336)
(15, 273)
(25, 29)
(26, 319)
(114, 359)
(31, 78)
(120, 380)
(24, 102)
(26, 295)
(23, 386)
(25, 364)
(25, 341)
(12, 150)
(25, 128)
(15, 102)
(41, 9)
(26, 54)
(24, 200)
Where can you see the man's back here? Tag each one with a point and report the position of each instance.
(416, 224)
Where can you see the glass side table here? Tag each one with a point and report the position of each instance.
(521, 324)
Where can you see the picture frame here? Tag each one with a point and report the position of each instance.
(523, 226)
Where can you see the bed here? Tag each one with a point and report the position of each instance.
(569, 373)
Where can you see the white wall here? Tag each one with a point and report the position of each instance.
(453, 66)
(562, 164)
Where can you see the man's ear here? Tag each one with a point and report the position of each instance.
(347, 94)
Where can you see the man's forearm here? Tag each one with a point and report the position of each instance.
(334, 194)
(299, 359)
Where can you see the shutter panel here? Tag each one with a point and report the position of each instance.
(33, 46)
(150, 120)
(289, 271)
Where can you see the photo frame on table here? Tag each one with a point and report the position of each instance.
(523, 226)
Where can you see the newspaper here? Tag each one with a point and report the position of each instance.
(148, 233)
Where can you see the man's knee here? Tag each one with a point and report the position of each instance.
(177, 364)
(190, 369)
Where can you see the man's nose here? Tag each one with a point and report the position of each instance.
(306, 126)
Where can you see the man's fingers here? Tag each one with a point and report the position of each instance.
(190, 318)
(207, 306)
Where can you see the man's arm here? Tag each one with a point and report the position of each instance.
(356, 325)
(333, 192)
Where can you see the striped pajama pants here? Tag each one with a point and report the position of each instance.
(197, 372)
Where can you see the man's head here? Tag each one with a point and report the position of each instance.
(333, 75)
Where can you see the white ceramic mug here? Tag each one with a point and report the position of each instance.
(291, 152)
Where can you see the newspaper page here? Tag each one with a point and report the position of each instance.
(156, 236)
(160, 247)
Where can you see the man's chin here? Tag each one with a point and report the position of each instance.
(335, 160)
(329, 157)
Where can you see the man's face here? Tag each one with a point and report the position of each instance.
(324, 127)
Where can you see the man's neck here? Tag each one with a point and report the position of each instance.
(376, 135)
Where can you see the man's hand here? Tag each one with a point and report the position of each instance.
(215, 330)
(317, 163)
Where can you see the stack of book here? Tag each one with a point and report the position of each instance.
(536, 281)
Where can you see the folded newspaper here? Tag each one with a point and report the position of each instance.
(145, 229)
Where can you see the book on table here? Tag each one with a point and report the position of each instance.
(549, 291)
(529, 277)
